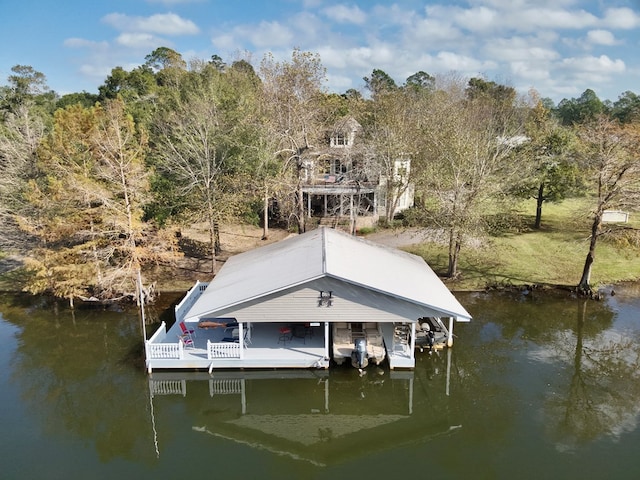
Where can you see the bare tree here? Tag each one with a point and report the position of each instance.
(611, 158)
(20, 135)
(292, 100)
(467, 147)
(202, 144)
(94, 242)
(391, 128)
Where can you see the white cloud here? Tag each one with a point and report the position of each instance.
(339, 83)
(139, 40)
(225, 41)
(528, 72)
(427, 33)
(550, 18)
(344, 14)
(165, 23)
(393, 15)
(520, 49)
(602, 64)
(268, 34)
(601, 37)
(99, 72)
(309, 27)
(623, 18)
(451, 61)
(480, 19)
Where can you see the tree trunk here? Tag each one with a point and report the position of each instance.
(300, 200)
(265, 227)
(454, 253)
(584, 286)
(212, 245)
(217, 249)
(539, 200)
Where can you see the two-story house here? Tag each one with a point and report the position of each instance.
(346, 182)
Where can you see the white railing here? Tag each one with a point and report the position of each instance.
(168, 387)
(225, 386)
(223, 350)
(189, 299)
(160, 334)
(154, 348)
(165, 350)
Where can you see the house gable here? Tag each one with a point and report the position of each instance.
(349, 303)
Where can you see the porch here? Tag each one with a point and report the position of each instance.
(263, 346)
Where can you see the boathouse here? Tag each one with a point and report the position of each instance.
(278, 306)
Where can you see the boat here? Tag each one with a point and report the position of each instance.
(431, 334)
(360, 343)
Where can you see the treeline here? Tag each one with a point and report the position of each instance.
(94, 188)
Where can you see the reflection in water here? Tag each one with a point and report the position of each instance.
(532, 378)
(601, 397)
(316, 416)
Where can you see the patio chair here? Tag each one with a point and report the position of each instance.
(187, 331)
(285, 335)
(187, 341)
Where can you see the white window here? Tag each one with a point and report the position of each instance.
(340, 140)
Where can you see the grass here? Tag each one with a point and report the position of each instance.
(553, 255)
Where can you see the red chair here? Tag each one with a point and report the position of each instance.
(187, 341)
(187, 331)
(285, 335)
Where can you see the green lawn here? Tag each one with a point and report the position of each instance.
(553, 255)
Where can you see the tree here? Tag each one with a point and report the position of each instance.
(468, 164)
(581, 110)
(549, 172)
(25, 83)
(421, 81)
(379, 82)
(391, 131)
(83, 98)
(164, 57)
(137, 88)
(627, 108)
(609, 154)
(217, 63)
(20, 135)
(292, 106)
(89, 198)
(200, 145)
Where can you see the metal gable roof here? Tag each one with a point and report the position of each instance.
(325, 252)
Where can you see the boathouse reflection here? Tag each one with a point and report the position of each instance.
(317, 416)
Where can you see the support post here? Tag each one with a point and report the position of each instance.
(413, 341)
(326, 340)
(450, 336)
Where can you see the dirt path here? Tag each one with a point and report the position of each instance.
(403, 237)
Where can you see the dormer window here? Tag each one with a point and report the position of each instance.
(340, 140)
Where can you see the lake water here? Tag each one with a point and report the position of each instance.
(537, 386)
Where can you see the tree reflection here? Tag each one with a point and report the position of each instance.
(602, 392)
(75, 373)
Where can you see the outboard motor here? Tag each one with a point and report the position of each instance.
(431, 338)
(359, 354)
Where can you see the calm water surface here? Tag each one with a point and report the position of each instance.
(537, 386)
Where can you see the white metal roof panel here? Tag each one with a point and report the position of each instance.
(389, 270)
(319, 253)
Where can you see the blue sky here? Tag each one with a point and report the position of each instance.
(558, 47)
